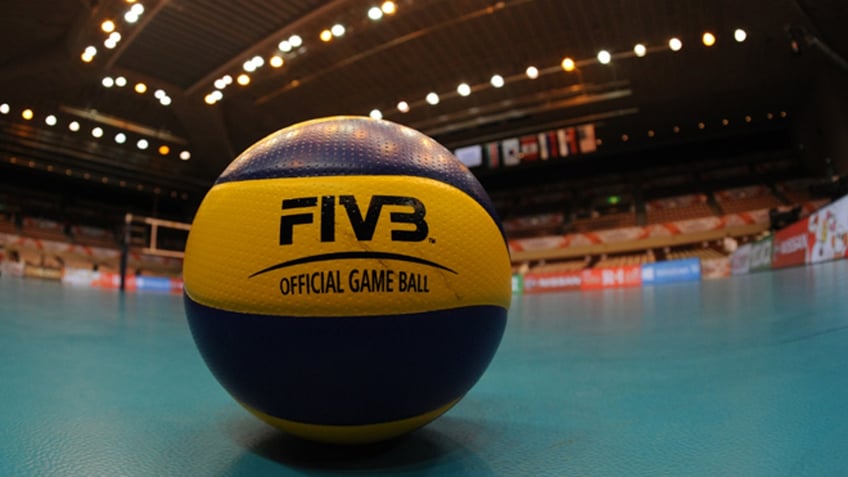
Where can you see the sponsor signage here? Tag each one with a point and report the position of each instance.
(597, 278)
(672, 271)
(790, 246)
(761, 255)
(740, 262)
(552, 282)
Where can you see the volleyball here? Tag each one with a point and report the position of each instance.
(347, 279)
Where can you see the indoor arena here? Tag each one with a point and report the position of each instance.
(423, 237)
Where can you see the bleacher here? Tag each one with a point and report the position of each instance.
(704, 253)
(625, 260)
(682, 207)
(747, 198)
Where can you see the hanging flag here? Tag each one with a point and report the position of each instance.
(493, 154)
(510, 148)
(471, 156)
(544, 147)
(567, 138)
(586, 133)
(553, 143)
(529, 148)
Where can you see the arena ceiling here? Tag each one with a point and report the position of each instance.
(182, 47)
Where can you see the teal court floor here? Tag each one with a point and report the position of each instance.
(745, 376)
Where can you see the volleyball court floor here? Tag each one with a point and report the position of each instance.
(743, 376)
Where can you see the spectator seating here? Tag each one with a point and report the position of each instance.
(625, 260)
(743, 199)
(682, 207)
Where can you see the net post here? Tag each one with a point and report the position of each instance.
(125, 250)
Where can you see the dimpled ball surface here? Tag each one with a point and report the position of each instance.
(347, 279)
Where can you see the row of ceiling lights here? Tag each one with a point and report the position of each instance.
(701, 125)
(567, 64)
(110, 28)
(67, 171)
(97, 132)
(288, 46)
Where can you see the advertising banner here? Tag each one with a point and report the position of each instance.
(789, 248)
(715, 268)
(828, 232)
(517, 283)
(761, 255)
(740, 262)
(673, 271)
(597, 278)
(552, 282)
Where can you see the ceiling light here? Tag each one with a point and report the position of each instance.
(227, 79)
(90, 50)
(375, 114)
(740, 35)
(284, 46)
(403, 107)
(120, 138)
(209, 99)
(27, 114)
(165, 100)
(74, 126)
(107, 82)
(568, 64)
(158, 94)
(164, 150)
(86, 58)
(142, 144)
(248, 66)
(708, 39)
(640, 50)
(375, 13)
(50, 120)
(110, 43)
(276, 61)
(604, 57)
(4, 108)
(97, 132)
(463, 89)
(295, 41)
(185, 155)
(130, 17)
(675, 44)
(338, 30)
(220, 84)
(138, 9)
(217, 95)
(532, 72)
(243, 79)
(140, 88)
(258, 61)
(389, 8)
(120, 81)
(108, 26)
(115, 36)
(497, 81)
(326, 35)
(432, 98)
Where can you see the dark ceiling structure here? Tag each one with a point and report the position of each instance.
(185, 50)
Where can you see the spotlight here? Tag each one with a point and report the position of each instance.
(376, 114)
(708, 39)
(375, 13)
(568, 64)
(740, 35)
(604, 57)
(432, 98)
(532, 72)
(463, 89)
(497, 81)
(675, 44)
(640, 50)
(403, 107)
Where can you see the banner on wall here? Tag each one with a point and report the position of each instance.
(672, 271)
(789, 247)
(614, 277)
(761, 255)
(740, 262)
(552, 282)
(828, 232)
(517, 283)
